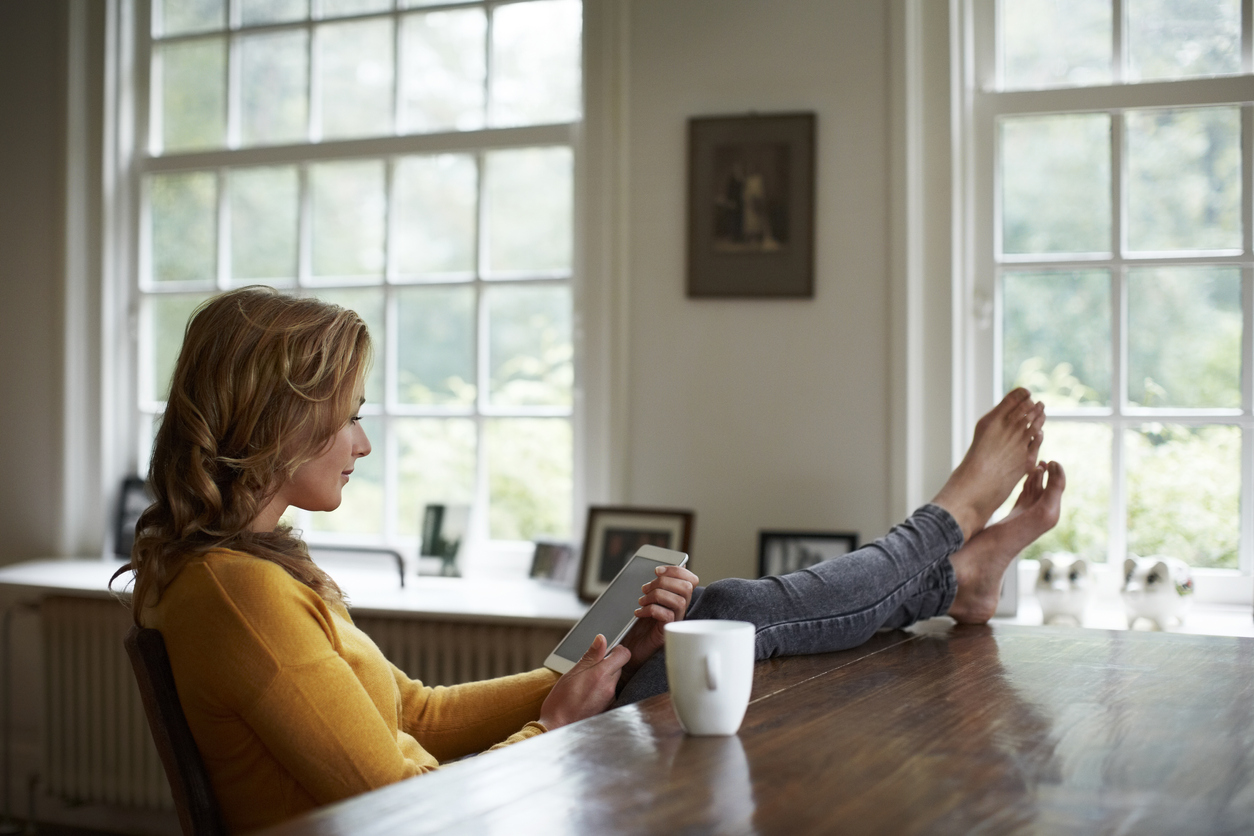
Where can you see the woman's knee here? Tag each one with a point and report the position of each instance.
(731, 598)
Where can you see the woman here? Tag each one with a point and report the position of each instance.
(293, 707)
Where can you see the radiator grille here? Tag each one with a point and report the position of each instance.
(97, 745)
(448, 653)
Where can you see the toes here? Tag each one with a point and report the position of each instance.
(1057, 477)
(1034, 446)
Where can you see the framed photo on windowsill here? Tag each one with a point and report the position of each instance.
(781, 552)
(751, 206)
(613, 534)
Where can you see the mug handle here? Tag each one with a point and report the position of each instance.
(711, 670)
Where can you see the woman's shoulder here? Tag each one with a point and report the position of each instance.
(243, 578)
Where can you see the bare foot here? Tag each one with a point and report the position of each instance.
(980, 564)
(1002, 452)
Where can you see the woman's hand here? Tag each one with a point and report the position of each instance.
(665, 600)
(586, 689)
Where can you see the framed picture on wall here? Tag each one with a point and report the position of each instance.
(751, 206)
(613, 534)
(781, 552)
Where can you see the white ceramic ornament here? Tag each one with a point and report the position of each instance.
(1062, 588)
(1158, 589)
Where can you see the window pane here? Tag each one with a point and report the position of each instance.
(1056, 336)
(1184, 179)
(529, 478)
(434, 202)
(272, 11)
(529, 209)
(164, 325)
(436, 465)
(435, 340)
(536, 62)
(1055, 43)
(1184, 488)
(183, 213)
(338, 8)
(274, 79)
(368, 303)
(263, 224)
(530, 353)
(1084, 452)
(182, 17)
(1184, 337)
(361, 503)
(1182, 38)
(443, 69)
(189, 80)
(1055, 184)
(355, 78)
(348, 209)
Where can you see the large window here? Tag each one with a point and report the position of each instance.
(410, 160)
(1113, 236)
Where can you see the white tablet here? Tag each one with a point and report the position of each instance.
(612, 614)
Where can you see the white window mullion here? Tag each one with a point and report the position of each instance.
(233, 87)
(223, 273)
(482, 395)
(315, 92)
(1117, 536)
(1247, 36)
(386, 354)
(1118, 46)
(304, 228)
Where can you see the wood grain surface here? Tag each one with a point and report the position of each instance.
(970, 730)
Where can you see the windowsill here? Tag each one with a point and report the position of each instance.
(1105, 609)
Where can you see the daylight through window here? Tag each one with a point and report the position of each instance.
(413, 161)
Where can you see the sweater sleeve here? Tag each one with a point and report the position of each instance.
(451, 722)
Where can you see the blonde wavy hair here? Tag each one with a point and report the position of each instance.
(261, 385)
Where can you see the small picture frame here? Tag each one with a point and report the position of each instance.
(133, 500)
(751, 182)
(781, 552)
(614, 533)
(555, 561)
(444, 528)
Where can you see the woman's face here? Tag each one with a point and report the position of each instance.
(317, 484)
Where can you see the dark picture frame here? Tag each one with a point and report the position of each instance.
(781, 552)
(751, 182)
(614, 533)
(555, 561)
(133, 500)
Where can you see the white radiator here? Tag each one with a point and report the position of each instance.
(97, 745)
(449, 652)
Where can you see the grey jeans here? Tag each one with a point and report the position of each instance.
(903, 577)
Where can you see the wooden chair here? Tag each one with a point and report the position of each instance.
(189, 781)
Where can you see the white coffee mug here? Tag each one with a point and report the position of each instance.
(709, 664)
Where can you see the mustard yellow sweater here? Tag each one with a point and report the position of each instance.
(293, 707)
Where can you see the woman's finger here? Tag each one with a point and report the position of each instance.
(658, 613)
(678, 572)
(665, 598)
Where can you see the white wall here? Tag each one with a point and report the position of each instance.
(32, 127)
(760, 414)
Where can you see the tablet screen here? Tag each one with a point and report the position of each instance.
(612, 611)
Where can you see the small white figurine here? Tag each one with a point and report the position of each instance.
(1158, 589)
(1062, 588)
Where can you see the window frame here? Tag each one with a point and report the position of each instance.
(129, 160)
(980, 106)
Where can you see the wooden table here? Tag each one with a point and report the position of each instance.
(1002, 729)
